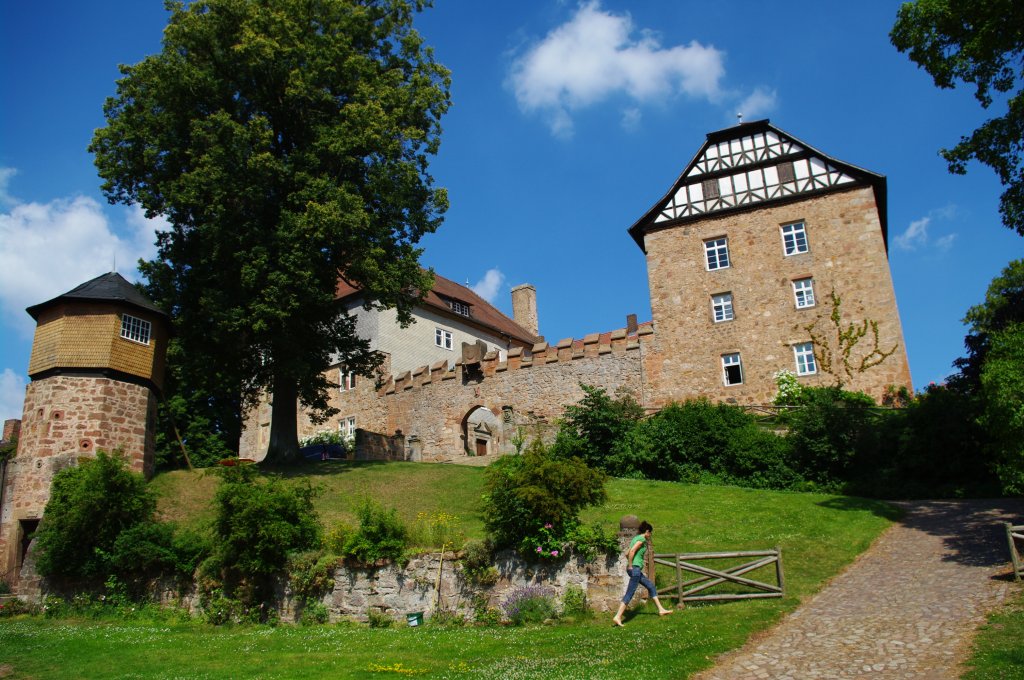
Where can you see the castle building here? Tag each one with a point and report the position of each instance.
(749, 252)
(96, 371)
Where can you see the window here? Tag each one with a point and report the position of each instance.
(135, 329)
(794, 238)
(803, 291)
(732, 369)
(459, 307)
(717, 252)
(804, 353)
(710, 188)
(721, 307)
(443, 338)
(347, 427)
(346, 380)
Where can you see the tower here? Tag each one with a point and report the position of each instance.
(748, 253)
(96, 371)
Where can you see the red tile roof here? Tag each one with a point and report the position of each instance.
(482, 313)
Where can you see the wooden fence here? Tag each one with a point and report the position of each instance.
(1013, 535)
(691, 590)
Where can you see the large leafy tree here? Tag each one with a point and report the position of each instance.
(287, 144)
(979, 43)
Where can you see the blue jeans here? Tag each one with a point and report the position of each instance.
(636, 577)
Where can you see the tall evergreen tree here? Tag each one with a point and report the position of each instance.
(287, 143)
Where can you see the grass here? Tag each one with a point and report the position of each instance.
(998, 651)
(818, 534)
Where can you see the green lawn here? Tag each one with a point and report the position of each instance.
(998, 652)
(818, 534)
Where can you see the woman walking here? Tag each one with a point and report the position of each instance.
(635, 563)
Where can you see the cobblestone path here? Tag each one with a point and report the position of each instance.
(906, 608)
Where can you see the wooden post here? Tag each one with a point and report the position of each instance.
(679, 580)
(778, 570)
(1014, 556)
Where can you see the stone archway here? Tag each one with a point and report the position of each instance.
(481, 432)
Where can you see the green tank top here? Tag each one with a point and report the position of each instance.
(638, 556)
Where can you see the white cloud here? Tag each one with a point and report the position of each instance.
(12, 395)
(5, 177)
(594, 55)
(631, 119)
(916, 236)
(758, 103)
(48, 249)
(490, 285)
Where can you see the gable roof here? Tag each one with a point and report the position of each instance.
(482, 313)
(109, 287)
(739, 168)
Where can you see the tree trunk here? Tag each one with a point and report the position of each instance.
(284, 435)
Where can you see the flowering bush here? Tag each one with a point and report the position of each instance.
(544, 545)
(790, 389)
(529, 604)
(437, 530)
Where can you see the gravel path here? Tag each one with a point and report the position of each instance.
(906, 608)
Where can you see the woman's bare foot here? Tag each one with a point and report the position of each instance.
(617, 622)
(664, 612)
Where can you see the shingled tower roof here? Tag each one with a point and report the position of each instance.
(110, 287)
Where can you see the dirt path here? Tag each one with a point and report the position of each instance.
(906, 608)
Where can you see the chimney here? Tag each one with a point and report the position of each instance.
(524, 307)
(12, 428)
(631, 324)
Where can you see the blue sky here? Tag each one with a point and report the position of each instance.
(569, 120)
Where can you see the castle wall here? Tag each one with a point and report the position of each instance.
(66, 418)
(846, 253)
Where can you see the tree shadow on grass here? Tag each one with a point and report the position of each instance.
(882, 509)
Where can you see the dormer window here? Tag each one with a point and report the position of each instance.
(459, 307)
(135, 329)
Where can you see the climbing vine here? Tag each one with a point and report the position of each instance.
(834, 346)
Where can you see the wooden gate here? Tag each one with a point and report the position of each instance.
(691, 590)
(1013, 535)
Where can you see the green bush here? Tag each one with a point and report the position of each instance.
(5, 588)
(311, 573)
(592, 427)
(478, 562)
(313, 612)
(529, 604)
(574, 602)
(523, 493)
(90, 505)
(381, 535)
(258, 523)
(18, 607)
(483, 613)
(378, 619)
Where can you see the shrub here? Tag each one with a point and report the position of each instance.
(5, 587)
(17, 607)
(523, 493)
(827, 432)
(311, 573)
(483, 613)
(259, 522)
(447, 618)
(477, 562)
(529, 604)
(380, 536)
(574, 602)
(436, 530)
(313, 612)
(334, 541)
(90, 505)
(378, 619)
(589, 542)
(592, 427)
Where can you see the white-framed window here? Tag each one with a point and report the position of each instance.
(794, 238)
(732, 369)
(347, 380)
(804, 355)
(459, 307)
(803, 293)
(721, 307)
(716, 251)
(135, 329)
(347, 427)
(443, 338)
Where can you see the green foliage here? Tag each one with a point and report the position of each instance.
(827, 432)
(378, 619)
(1002, 394)
(259, 522)
(478, 562)
(483, 613)
(1003, 306)
(90, 505)
(981, 44)
(523, 493)
(381, 535)
(17, 607)
(593, 426)
(5, 587)
(436, 530)
(837, 342)
(313, 612)
(311, 574)
(8, 449)
(444, 617)
(285, 141)
(574, 602)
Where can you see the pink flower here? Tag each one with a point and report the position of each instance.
(538, 548)
(554, 553)
(548, 525)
